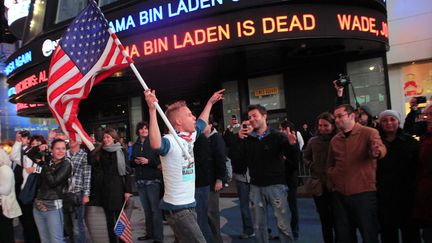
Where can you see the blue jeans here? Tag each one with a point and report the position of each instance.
(184, 224)
(50, 225)
(79, 232)
(149, 193)
(358, 210)
(276, 197)
(202, 200)
(243, 189)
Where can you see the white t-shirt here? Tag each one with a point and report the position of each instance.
(178, 172)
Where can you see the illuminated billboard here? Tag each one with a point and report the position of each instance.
(155, 31)
(256, 26)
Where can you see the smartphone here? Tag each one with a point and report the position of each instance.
(38, 169)
(245, 126)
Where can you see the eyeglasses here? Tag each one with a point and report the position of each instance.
(339, 116)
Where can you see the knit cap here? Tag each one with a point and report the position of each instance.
(393, 113)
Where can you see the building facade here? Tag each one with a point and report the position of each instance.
(410, 55)
(281, 54)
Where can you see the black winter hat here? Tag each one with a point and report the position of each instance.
(367, 110)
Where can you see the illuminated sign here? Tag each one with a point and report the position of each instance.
(261, 25)
(161, 12)
(156, 29)
(11, 91)
(22, 106)
(31, 81)
(18, 62)
(266, 91)
(142, 16)
(49, 46)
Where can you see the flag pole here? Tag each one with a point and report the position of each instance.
(124, 204)
(157, 106)
(161, 113)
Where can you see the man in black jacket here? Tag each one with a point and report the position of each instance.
(264, 149)
(202, 184)
(241, 177)
(148, 178)
(218, 176)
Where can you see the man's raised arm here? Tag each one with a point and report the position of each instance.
(154, 133)
(218, 95)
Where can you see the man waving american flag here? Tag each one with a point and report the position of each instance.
(88, 52)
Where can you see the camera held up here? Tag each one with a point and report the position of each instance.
(421, 99)
(35, 154)
(343, 80)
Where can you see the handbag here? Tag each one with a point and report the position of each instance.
(28, 193)
(71, 201)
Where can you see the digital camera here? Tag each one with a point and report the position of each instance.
(343, 80)
(421, 99)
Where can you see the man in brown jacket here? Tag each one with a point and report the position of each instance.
(351, 169)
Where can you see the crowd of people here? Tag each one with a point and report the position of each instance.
(367, 175)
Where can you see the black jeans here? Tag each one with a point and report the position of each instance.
(111, 218)
(324, 208)
(30, 230)
(6, 229)
(394, 217)
(355, 210)
(292, 203)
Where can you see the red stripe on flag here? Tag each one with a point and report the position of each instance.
(65, 87)
(61, 71)
(120, 57)
(59, 53)
(110, 54)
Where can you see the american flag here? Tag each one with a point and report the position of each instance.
(88, 52)
(123, 228)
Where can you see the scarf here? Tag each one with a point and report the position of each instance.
(186, 136)
(121, 163)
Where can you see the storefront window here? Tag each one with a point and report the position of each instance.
(106, 2)
(267, 91)
(368, 80)
(230, 103)
(417, 82)
(68, 9)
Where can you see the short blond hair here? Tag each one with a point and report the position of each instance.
(171, 111)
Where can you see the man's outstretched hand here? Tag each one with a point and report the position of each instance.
(218, 95)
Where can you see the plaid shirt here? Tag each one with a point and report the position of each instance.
(81, 173)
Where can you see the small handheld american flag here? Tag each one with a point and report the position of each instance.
(88, 52)
(123, 228)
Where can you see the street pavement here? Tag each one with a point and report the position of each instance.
(231, 226)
